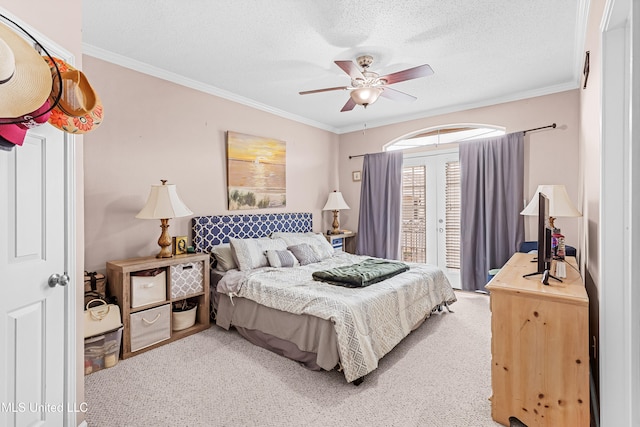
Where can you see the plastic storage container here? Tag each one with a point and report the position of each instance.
(102, 351)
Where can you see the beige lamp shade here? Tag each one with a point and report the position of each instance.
(335, 202)
(164, 202)
(559, 202)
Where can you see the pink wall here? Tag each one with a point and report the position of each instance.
(148, 135)
(155, 129)
(551, 156)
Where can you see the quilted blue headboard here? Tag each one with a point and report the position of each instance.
(209, 231)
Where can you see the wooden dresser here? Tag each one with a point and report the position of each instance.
(539, 346)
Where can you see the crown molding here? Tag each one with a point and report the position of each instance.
(142, 67)
(469, 106)
(96, 52)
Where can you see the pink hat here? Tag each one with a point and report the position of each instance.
(15, 133)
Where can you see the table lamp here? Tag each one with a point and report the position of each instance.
(163, 204)
(335, 202)
(559, 203)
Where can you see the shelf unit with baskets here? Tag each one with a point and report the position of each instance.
(146, 301)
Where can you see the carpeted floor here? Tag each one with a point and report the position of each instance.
(438, 376)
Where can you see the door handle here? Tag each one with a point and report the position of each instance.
(58, 279)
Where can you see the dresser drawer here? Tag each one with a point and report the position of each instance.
(148, 288)
(150, 326)
(186, 279)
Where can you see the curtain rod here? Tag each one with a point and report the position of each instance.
(524, 132)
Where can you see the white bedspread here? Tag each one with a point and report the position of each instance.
(369, 321)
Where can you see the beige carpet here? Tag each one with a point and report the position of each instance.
(438, 376)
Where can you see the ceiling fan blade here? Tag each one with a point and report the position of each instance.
(349, 105)
(350, 68)
(306, 92)
(408, 74)
(396, 95)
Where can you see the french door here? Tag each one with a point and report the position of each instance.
(431, 211)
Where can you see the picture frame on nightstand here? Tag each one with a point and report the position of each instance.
(179, 244)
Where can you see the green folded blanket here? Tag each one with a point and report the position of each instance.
(362, 274)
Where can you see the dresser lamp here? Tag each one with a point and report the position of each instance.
(163, 204)
(335, 202)
(560, 204)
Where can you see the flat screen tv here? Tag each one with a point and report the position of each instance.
(545, 232)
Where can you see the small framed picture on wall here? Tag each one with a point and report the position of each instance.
(356, 175)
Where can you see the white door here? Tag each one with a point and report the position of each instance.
(32, 313)
(441, 222)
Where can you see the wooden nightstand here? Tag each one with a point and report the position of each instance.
(146, 316)
(343, 242)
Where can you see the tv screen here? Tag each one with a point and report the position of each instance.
(544, 234)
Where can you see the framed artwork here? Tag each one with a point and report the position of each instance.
(179, 245)
(256, 172)
(356, 175)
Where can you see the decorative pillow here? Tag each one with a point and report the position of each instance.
(304, 253)
(322, 246)
(317, 241)
(224, 257)
(272, 244)
(281, 258)
(249, 253)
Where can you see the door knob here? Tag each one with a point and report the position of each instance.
(58, 279)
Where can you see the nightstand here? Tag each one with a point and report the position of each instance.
(343, 242)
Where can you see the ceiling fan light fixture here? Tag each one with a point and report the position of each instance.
(366, 95)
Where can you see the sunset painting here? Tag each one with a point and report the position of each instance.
(256, 172)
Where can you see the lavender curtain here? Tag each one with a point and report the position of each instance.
(380, 210)
(492, 228)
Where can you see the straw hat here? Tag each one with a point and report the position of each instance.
(25, 80)
(79, 109)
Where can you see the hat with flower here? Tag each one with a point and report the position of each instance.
(79, 109)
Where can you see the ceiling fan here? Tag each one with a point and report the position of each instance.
(367, 86)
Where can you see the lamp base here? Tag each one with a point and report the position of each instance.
(164, 241)
(335, 223)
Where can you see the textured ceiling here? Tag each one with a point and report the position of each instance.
(263, 52)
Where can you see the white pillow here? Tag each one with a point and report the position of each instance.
(281, 258)
(249, 253)
(224, 257)
(323, 247)
(319, 244)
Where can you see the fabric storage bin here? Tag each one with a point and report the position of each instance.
(150, 326)
(102, 351)
(186, 279)
(148, 286)
(184, 319)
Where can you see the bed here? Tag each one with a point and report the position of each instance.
(276, 303)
